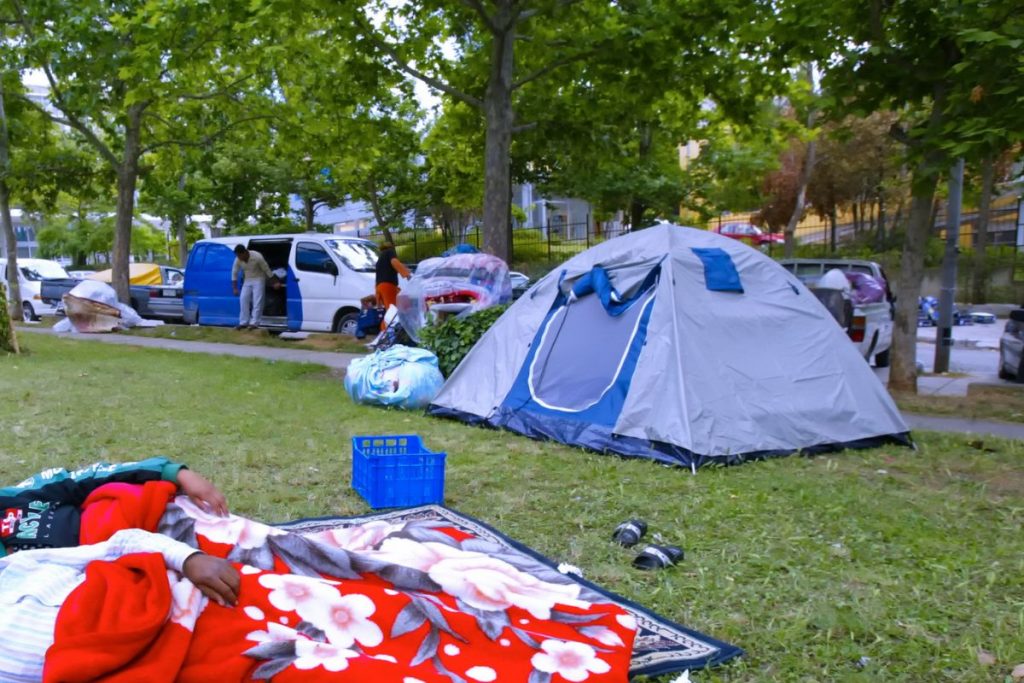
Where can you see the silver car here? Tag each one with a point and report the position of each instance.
(1011, 347)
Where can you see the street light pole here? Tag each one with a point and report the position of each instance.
(944, 331)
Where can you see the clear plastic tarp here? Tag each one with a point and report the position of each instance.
(452, 285)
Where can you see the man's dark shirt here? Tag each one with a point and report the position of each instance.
(385, 271)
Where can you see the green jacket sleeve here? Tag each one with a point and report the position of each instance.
(74, 487)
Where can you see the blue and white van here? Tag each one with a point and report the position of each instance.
(326, 278)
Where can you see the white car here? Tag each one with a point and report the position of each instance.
(31, 273)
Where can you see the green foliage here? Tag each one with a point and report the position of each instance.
(452, 339)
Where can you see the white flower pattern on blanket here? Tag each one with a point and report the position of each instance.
(358, 537)
(480, 581)
(344, 619)
(230, 530)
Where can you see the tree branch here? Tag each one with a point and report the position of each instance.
(222, 92)
(71, 121)
(481, 11)
(545, 70)
(206, 139)
(435, 83)
(524, 127)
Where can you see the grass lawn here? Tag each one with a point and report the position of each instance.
(983, 402)
(912, 560)
(226, 335)
(315, 341)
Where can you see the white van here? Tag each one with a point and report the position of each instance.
(326, 277)
(31, 273)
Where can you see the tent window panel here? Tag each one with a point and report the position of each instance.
(581, 353)
(720, 274)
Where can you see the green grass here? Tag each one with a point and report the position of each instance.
(226, 335)
(983, 402)
(913, 559)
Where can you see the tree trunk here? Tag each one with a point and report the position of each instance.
(903, 373)
(127, 176)
(498, 143)
(980, 275)
(378, 213)
(880, 233)
(309, 212)
(10, 239)
(180, 223)
(789, 232)
(637, 206)
(857, 218)
(832, 220)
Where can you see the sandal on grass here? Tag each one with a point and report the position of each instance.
(629, 532)
(658, 557)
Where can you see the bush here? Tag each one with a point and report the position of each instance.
(451, 340)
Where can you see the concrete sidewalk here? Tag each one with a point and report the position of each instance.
(330, 359)
(927, 385)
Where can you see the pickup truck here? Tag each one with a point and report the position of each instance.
(162, 301)
(869, 325)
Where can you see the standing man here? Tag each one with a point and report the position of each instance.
(388, 269)
(256, 271)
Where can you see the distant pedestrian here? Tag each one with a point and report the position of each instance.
(254, 284)
(388, 270)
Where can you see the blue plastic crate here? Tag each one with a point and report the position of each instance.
(396, 471)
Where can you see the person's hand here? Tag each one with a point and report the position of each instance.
(234, 289)
(201, 492)
(217, 579)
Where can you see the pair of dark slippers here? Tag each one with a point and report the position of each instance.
(651, 556)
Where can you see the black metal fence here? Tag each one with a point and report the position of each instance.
(826, 238)
(532, 246)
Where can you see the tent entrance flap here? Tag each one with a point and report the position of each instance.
(583, 357)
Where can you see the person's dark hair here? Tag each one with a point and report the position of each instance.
(239, 250)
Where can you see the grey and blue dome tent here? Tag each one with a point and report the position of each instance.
(678, 345)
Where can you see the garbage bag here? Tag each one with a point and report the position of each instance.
(401, 376)
(867, 289)
(453, 285)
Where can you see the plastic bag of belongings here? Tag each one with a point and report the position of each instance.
(841, 291)
(400, 376)
(93, 307)
(455, 285)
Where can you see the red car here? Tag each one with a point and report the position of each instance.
(751, 234)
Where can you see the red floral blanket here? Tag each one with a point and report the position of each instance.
(409, 602)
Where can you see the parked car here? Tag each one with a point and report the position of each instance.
(981, 318)
(868, 324)
(81, 274)
(520, 283)
(1011, 347)
(751, 234)
(325, 278)
(32, 273)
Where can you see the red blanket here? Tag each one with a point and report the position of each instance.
(378, 602)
